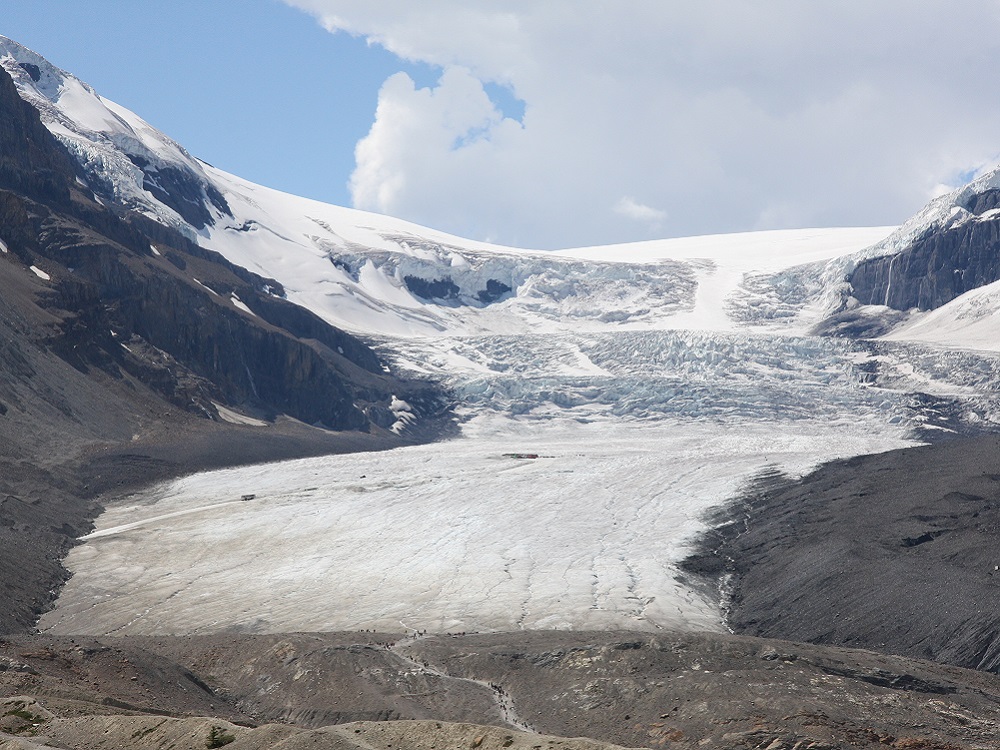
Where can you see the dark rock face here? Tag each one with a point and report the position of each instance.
(494, 292)
(31, 163)
(447, 290)
(441, 289)
(33, 71)
(938, 267)
(105, 279)
(181, 191)
(982, 202)
(242, 361)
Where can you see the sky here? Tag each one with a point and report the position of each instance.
(558, 123)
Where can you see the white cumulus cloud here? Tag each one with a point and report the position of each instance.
(722, 115)
(423, 139)
(632, 209)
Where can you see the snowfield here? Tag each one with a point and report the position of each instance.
(648, 382)
(356, 271)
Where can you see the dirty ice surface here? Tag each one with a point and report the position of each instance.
(637, 434)
(449, 537)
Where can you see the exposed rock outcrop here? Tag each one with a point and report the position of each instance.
(181, 191)
(937, 267)
(113, 277)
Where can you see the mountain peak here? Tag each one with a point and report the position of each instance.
(33, 72)
(126, 160)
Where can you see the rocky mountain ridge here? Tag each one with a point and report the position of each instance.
(937, 267)
(121, 159)
(122, 276)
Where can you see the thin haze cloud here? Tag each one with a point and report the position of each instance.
(647, 118)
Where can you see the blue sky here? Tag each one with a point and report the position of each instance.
(255, 87)
(558, 123)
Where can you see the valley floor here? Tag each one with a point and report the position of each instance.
(348, 691)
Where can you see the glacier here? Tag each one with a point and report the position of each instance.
(608, 399)
(461, 536)
(585, 468)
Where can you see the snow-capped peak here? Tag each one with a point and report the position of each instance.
(125, 158)
(945, 211)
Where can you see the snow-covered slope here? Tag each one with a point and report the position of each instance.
(124, 157)
(971, 321)
(378, 275)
